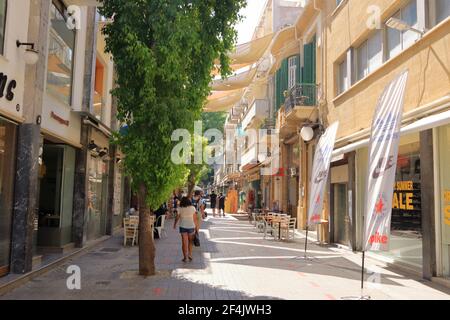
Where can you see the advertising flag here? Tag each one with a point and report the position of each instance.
(383, 153)
(319, 176)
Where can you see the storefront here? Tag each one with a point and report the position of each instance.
(443, 226)
(97, 189)
(7, 157)
(340, 219)
(97, 185)
(56, 176)
(406, 223)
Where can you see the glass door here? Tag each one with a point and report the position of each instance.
(7, 157)
(341, 215)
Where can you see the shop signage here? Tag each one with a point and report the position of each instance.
(319, 177)
(447, 207)
(59, 119)
(8, 86)
(383, 153)
(403, 196)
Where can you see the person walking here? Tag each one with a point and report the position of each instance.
(222, 204)
(187, 217)
(213, 199)
(199, 206)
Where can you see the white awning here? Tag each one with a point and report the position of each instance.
(237, 81)
(221, 101)
(430, 122)
(250, 52)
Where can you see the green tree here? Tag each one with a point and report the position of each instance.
(164, 51)
(214, 120)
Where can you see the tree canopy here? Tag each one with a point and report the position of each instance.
(164, 51)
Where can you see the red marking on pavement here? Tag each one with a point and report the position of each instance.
(315, 285)
(157, 291)
(330, 296)
(301, 274)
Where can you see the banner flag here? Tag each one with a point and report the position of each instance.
(383, 153)
(319, 176)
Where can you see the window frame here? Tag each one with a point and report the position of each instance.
(342, 83)
(62, 10)
(292, 71)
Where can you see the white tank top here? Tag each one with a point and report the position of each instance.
(187, 217)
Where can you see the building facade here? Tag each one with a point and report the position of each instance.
(331, 63)
(60, 179)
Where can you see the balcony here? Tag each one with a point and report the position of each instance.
(301, 102)
(249, 158)
(256, 114)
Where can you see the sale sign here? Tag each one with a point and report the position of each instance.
(383, 155)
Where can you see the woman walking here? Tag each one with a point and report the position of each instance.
(188, 226)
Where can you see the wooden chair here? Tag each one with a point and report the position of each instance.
(288, 228)
(268, 228)
(130, 229)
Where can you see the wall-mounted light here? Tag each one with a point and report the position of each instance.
(103, 152)
(92, 145)
(308, 131)
(401, 25)
(31, 56)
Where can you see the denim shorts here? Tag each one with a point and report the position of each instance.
(187, 230)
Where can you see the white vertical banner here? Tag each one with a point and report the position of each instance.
(383, 153)
(319, 176)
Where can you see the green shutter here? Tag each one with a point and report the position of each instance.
(299, 70)
(284, 78)
(309, 72)
(277, 89)
(307, 68)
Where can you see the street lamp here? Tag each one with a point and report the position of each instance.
(401, 25)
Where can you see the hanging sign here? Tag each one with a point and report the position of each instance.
(383, 154)
(319, 177)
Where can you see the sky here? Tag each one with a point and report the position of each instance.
(251, 15)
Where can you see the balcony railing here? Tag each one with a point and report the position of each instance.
(301, 95)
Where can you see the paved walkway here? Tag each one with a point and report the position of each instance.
(233, 262)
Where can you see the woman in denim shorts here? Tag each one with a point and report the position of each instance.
(188, 226)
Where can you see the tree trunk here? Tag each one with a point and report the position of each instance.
(191, 186)
(146, 244)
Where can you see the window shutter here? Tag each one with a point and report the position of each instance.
(299, 72)
(278, 89)
(309, 74)
(284, 79)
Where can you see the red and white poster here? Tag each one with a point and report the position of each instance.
(319, 176)
(383, 153)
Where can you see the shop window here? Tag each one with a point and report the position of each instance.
(96, 198)
(98, 104)
(60, 54)
(3, 7)
(444, 199)
(7, 156)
